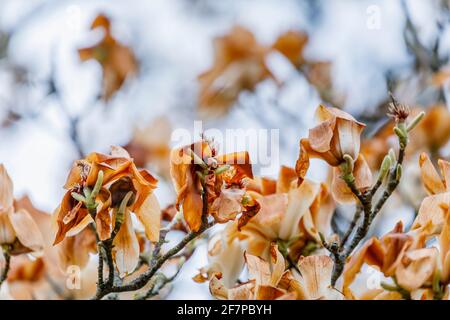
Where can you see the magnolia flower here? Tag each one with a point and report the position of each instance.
(18, 230)
(240, 64)
(225, 257)
(120, 177)
(296, 215)
(118, 62)
(434, 208)
(196, 168)
(400, 255)
(271, 281)
(337, 135)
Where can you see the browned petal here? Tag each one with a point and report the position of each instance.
(268, 186)
(6, 190)
(74, 251)
(316, 276)
(239, 160)
(432, 212)
(7, 233)
(363, 180)
(285, 178)
(26, 229)
(259, 270)
(126, 247)
(432, 181)
(302, 163)
(149, 214)
(267, 292)
(217, 288)
(69, 207)
(416, 268)
(291, 44)
(444, 243)
(242, 292)
(227, 205)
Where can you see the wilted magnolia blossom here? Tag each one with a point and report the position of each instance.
(240, 64)
(196, 169)
(18, 230)
(118, 62)
(289, 213)
(120, 176)
(271, 280)
(338, 134)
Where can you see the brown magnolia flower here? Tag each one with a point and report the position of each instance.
(118, 61)
(120, 177)
(396, 254)
(434, 208)
(337, 134)
(150, 146)
(18, 230)
(239, 64)
(295, 215)
(271, 281)
(196, 168)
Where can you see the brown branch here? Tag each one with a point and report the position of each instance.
(7, 255)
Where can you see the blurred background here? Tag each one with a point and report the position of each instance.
(80, 76)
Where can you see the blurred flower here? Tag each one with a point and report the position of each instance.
(18, 230)
(240, 64)
(196, 168)
(118, 61)
(120, 177)
(150, 146)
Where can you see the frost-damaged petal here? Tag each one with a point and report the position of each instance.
(126, 247)
(302, 163)
(444, 242)
(7, 234)
(278, 265)
(258, 269)
(27, 230)
(445, 171)
(74, 251)
(242, 292)
(320, 136)
(416, 267)
(227, 205)
(240, 160)
(285, 178)
(432, 181)
(188, 194)
(299, 201)
(349, 133)
(149, 214)
(217, 288)
(432, 211)
(6, 190)
(316, 276)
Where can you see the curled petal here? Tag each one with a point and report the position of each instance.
(217, 288)
(259, 270)
(227, 205)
